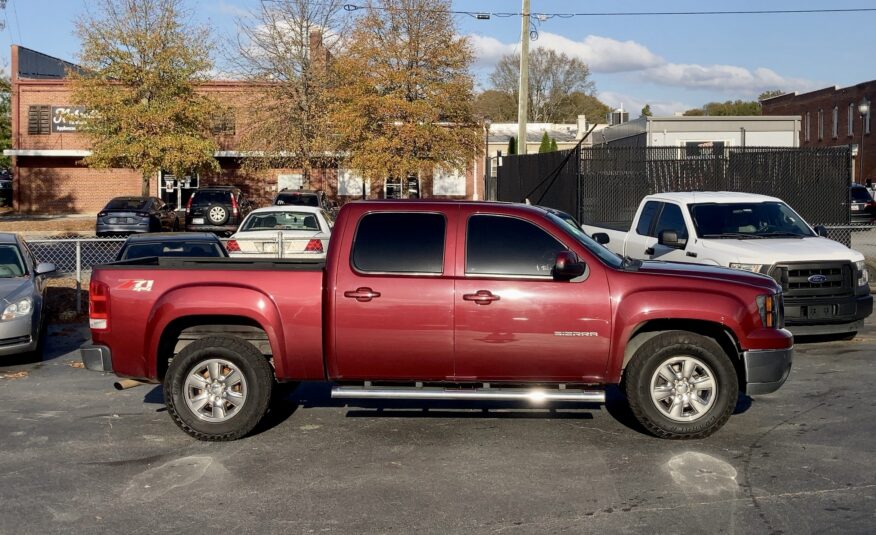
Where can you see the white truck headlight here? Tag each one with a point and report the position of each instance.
(754, 268)
(863, 275)
(22, 307)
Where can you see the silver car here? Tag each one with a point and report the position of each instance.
(22, 295)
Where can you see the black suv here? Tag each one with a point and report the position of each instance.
(218, 209)
(317, 199)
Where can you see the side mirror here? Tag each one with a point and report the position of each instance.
(601, 238)
(669, 238)
(44, 268)
(821, 230)
(567, 266)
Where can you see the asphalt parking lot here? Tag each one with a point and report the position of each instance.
(78, 456)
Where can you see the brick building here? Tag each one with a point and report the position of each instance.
(831, 117)
(47, 150)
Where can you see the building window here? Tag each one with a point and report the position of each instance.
(39, 120)
(807, 126)
(223, 123)
(834, 127)
(851, 119)
(820, 125)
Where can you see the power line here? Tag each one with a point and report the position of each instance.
(17, 23)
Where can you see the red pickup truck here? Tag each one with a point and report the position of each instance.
(442, 300)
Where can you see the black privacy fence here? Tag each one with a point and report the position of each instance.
(604, 185)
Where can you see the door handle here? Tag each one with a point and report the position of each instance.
(482, 297)
(362, 294)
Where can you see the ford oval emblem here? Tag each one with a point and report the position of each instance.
(817, 279)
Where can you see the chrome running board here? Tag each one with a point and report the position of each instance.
(533, 395)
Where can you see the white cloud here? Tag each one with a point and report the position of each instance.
(602, 54)
(608, 56)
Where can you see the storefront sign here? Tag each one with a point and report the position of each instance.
(67, 118)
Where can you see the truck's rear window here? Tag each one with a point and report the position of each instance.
(399, 243)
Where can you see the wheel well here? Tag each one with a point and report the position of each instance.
(720, 333)
(183, 331)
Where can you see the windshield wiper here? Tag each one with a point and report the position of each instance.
(733, 235)
(784, 234)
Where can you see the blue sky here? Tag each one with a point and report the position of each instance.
(671, 62)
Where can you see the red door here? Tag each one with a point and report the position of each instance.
(513, 321)
(393, 314)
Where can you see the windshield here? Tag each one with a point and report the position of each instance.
(747, 220)
(861, 195)
(581, 237)
(10, 262)
(172, 248)
(281, 221)
(127, 204)
(298, 199)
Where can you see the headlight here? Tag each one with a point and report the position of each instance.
(22, 307)
(863, 275)
(755, 268)
(771, 310)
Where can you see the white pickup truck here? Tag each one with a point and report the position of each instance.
(826, 289)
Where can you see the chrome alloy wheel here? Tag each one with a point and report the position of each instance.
(217, 213)
(215, 390)
(683, 388)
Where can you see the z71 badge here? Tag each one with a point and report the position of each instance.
(136, 285)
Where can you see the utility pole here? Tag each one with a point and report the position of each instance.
(523, 86)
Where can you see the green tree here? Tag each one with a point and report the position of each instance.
(512, 145)
(554, 145)
(646, 110)
(5, 121)
(728, 108)
(545, 145)
(553, 79)
(141, 66)
(405, 93)
(770, 94)
(498, 106)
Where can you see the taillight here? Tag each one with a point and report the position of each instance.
(234, 210)
(189, 204)
(313, 246)
(232, 246)
(98, 305)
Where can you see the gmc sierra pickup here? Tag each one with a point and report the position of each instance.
(442, 300)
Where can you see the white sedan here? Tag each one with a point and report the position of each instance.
(297, 232)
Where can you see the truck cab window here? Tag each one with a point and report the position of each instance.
(499, 245)
(391, 242)
(671, 219)
(648, 213)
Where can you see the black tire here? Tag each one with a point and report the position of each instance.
(643, 368)
(218, 214)
(259, 380)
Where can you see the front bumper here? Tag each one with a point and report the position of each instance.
(766, 369)
(96, 357)
(18, 336)
(849, 314)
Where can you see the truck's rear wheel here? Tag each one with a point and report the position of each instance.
(218, 388)
(681, 385)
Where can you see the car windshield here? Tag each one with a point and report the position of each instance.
(297, 199)
(203, 198)
(575, 232)
(861, 195)
(753, 220)
(280, 221)
(10, 262)
(171, 248)
(127, 204)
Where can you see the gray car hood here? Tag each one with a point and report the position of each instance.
(12, 287)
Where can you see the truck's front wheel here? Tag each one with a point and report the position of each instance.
(681, 385)
(218, 388)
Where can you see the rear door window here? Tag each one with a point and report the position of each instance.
(507, 246)
(409, 243)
